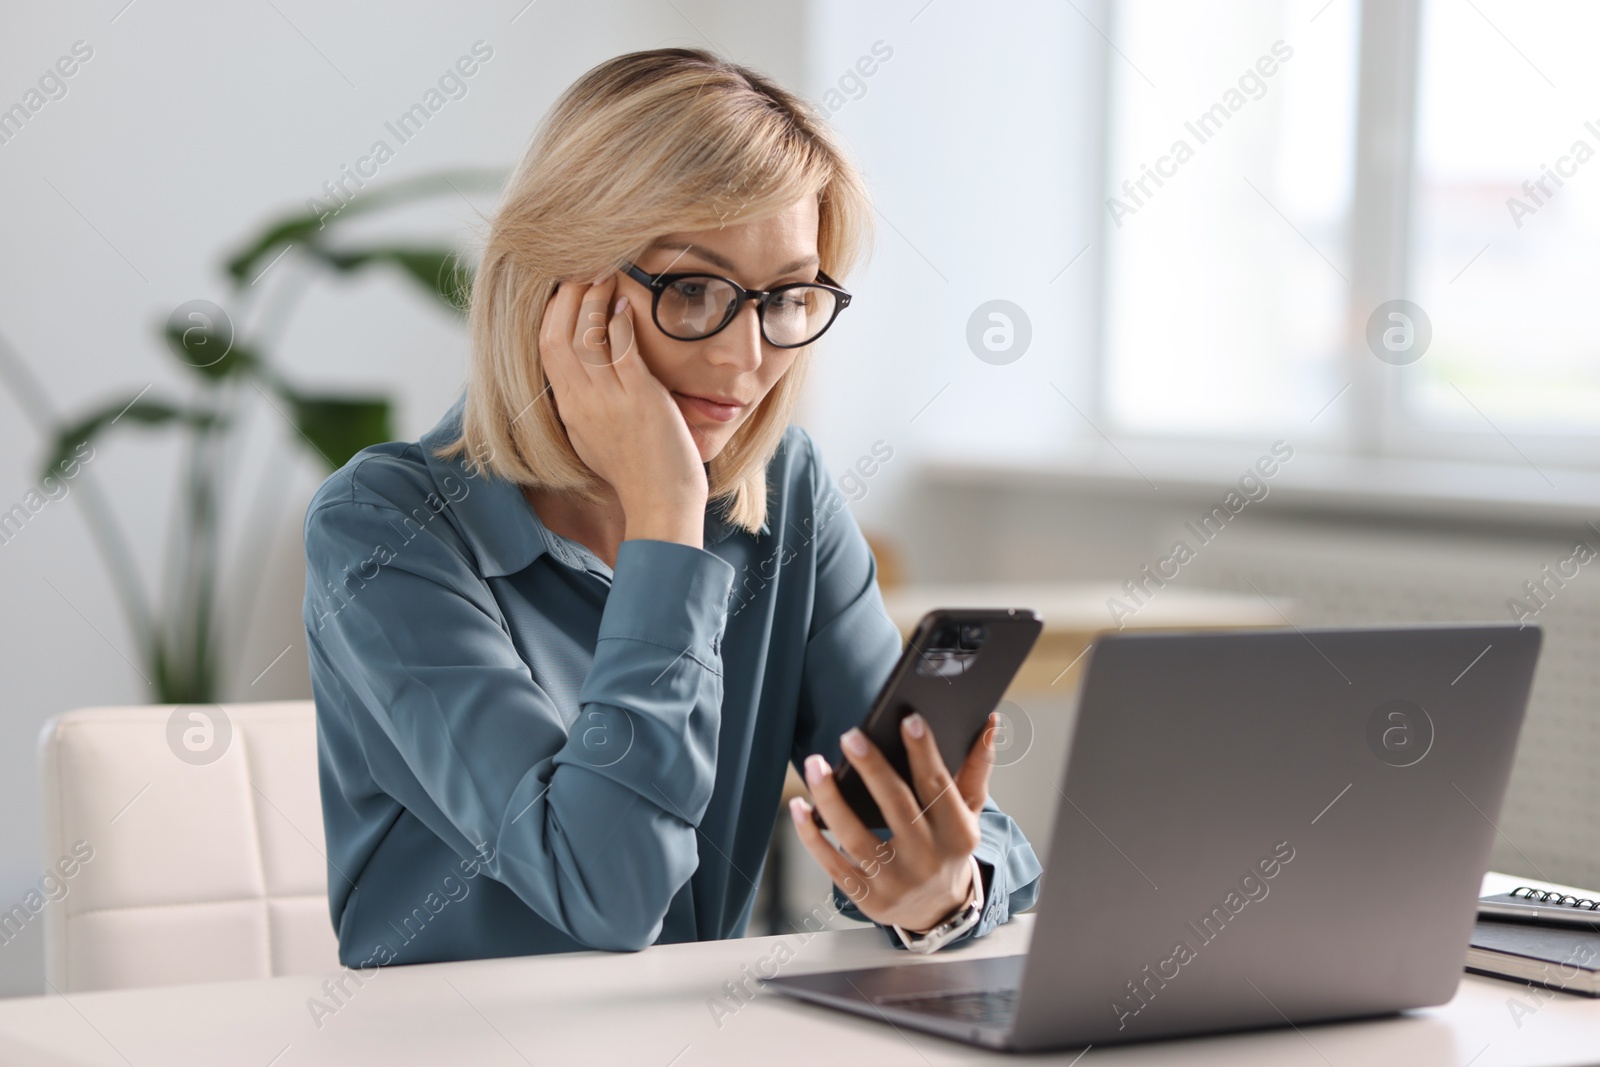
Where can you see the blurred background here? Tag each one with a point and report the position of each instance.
(1125, 249)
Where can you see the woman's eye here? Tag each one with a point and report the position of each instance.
(689, 290)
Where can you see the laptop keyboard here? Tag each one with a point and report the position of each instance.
(989, 1007)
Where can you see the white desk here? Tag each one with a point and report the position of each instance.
(651, 1009)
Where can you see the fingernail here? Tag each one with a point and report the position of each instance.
(816, 768)
(854, 741)
(797, 810)
(914, 725)
(621, 303)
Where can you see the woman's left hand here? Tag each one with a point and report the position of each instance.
(923, 874)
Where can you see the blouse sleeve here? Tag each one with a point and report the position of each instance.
(590, 822)
(851, 649)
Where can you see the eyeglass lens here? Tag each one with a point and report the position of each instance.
(696, 306)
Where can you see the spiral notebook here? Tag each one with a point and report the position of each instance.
(1542, 906)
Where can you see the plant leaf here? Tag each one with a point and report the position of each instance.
(209, 352)
(305, 226)
(337, 427)
(72, 436)
(439, 271)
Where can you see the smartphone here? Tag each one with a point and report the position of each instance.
(954, 670)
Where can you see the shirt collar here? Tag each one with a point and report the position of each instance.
(497, 521)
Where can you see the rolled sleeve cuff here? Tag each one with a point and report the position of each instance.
(669, 594)
(995, 910)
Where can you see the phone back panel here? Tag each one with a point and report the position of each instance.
(953, 691)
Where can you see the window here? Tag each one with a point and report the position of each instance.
(1228, 200)
(1248, 166)
(1506, 217)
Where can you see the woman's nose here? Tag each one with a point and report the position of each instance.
(739, 343)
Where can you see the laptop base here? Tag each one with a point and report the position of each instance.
(958, 999)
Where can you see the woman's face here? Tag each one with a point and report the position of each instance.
(718, 382)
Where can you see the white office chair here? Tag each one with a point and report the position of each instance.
(204, 833)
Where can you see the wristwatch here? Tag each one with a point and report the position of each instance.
(952, 926)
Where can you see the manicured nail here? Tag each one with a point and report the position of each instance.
(816, 768)
(914, 725)
(622, 302)
(854, 741)
(797, 810)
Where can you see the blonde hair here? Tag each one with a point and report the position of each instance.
(646, 144)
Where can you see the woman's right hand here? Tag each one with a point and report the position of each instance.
(622, 421)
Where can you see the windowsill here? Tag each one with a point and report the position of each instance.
(1311, 482)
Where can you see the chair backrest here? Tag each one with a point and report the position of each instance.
(181, 844)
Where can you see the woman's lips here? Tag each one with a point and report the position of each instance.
(715, 410)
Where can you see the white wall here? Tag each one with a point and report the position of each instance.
(977, 139)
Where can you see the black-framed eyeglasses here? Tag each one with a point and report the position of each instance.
(693, 306)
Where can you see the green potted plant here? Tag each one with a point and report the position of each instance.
(178, 638)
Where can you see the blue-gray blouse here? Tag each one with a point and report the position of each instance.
(523, 750)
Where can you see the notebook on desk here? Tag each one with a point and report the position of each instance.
(1542, 906)
(1560, 957)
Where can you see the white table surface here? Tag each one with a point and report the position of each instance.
(651, 1008)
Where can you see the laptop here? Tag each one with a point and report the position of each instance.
(1255, 829)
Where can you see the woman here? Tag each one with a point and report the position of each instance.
(570, 639)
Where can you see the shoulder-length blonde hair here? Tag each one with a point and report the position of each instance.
(646, 144)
